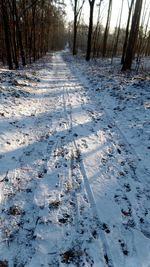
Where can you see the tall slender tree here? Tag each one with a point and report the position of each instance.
(133, 36)
(19, 34)
(147, 50)
(90, 30)
(97, 30)
(4, 12)
(127, 31)
(106, 32)
(77, 8)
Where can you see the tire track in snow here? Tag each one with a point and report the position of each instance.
(138, 202)
(68, 177)
(137, 169)
(72, 177)
(107, 256)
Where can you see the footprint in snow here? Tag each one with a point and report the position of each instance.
(84, 143)
(71, 256)
(66, 218)
(58, 165)
(42, 173)
(123, 247)
(127, 187)
(105, 228)
(15, 210)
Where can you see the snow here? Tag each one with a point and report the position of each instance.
(74, 165)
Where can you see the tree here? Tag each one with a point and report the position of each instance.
(127, 32)
(90, 30)
(19, 34)
(97, 30)
(7, 32)
(77, 8)
(28, 29)
(147, 50)
(106, 32)
(133, 36)
(143, 31)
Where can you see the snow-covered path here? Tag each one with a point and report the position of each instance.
(72, 190)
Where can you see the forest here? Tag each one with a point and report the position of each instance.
(29, 29)
(74, 133)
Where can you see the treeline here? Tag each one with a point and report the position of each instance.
(99, 40)
(28, 29)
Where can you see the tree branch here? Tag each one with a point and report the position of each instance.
(28, 7)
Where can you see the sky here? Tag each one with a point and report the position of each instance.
(104, 7)
(115, 12)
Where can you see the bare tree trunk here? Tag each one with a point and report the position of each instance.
(32, 36)
(14, 38)
(75, 27)
(7, 33)
(77, 12)
(106, 32)
(88, 53)
(142, 37)
(147, 52)
(96, 32)
(19, 36)
(127, 32)
(133, 35)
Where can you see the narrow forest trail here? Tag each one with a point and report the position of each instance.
(73, 191)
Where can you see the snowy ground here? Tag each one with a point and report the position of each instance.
(74, 165)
